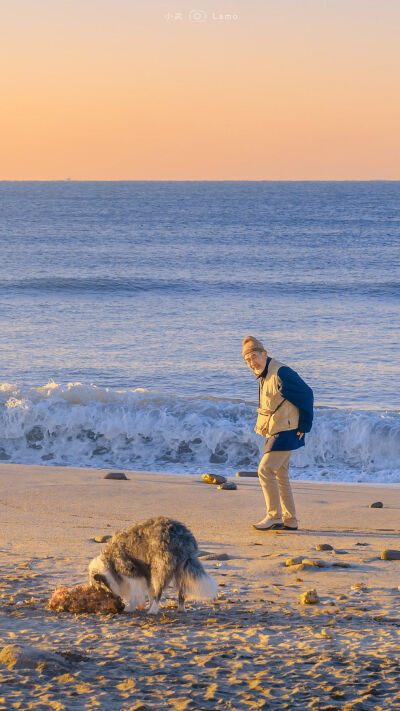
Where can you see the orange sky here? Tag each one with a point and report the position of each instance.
(127, 89)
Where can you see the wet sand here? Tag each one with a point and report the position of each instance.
(256, 647)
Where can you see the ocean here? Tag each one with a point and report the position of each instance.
(123, 306)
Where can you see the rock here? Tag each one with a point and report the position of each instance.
(3, 454)
(213, 479)
(101, 539)
(115, 475)
(227, 485)
(359, 586)
(246, 473)
(316, 562)
(390, 554)
(362, 544)
(294, 561)
(34, 435)
(310, 597)
(101, 450)
(216, 556)
(24, 656)
(323, 547)
(376, 505)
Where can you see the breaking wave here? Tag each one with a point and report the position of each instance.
(89, 426)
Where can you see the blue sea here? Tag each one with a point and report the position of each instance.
(123, 306)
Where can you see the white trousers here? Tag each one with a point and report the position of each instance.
(273, 473)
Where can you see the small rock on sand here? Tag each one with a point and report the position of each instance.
(216, 556)
(310, 597)
(101, 539)
(116, 475)
(213, 479)
(316, 562)
(390, 554)
(227, 485)
(294, 561)
(24, 656)
(359, 586)
(323, 547)
(246, 473)
(376, 505)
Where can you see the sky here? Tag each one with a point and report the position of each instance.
(200, 90)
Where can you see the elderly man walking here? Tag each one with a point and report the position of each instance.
(285, 413)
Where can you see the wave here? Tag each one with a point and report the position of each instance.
(138, 284)
(84, 425)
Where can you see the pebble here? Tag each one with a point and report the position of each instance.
(115, 475)
(101, 539)
(316, 562)
(323, 547)
(294, 561)
(216, 556)
(376, 505)
(359, 586)
(310, 597)
(390, 554)
(227, 485)
(213, 479)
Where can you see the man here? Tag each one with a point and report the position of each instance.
(285, 413)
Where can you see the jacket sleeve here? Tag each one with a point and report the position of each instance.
(294, 389)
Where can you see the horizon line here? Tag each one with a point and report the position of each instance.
(199, 180)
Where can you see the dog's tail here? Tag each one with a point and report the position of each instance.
(198, 585)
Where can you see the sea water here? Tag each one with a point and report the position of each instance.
(123, 306)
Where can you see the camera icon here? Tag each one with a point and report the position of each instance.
(197, 16)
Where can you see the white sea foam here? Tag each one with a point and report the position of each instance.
(85, 425)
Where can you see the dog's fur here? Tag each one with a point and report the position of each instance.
(142, 560)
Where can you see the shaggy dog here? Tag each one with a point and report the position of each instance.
(140, 562)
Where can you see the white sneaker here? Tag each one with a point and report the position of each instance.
(267, 524)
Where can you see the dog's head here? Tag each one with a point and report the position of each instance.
(100, 575)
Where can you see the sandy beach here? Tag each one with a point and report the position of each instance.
(255, 647)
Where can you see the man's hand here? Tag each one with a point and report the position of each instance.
(301, 434)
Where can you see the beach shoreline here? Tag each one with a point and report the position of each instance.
(343, 652)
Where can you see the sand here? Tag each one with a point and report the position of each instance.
(256, 647)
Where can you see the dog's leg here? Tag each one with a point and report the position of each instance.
(150, 595)
(155, 605)
(181, 602)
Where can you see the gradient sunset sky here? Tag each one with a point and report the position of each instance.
(165, 89)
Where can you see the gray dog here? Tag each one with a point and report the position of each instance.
(141, 561)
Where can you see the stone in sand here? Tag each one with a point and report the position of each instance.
(227, 485)
(294, 561)
(390, 554)
(213, 479)
(101, 539)
(216, 556)
(359, 586)
(376, 505)
(24, 656)
(310, 597)
(323, 547)
(116, 475)
(316, 562)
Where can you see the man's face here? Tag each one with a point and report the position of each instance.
(256, 361)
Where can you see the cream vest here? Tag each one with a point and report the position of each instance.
(274, 410)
